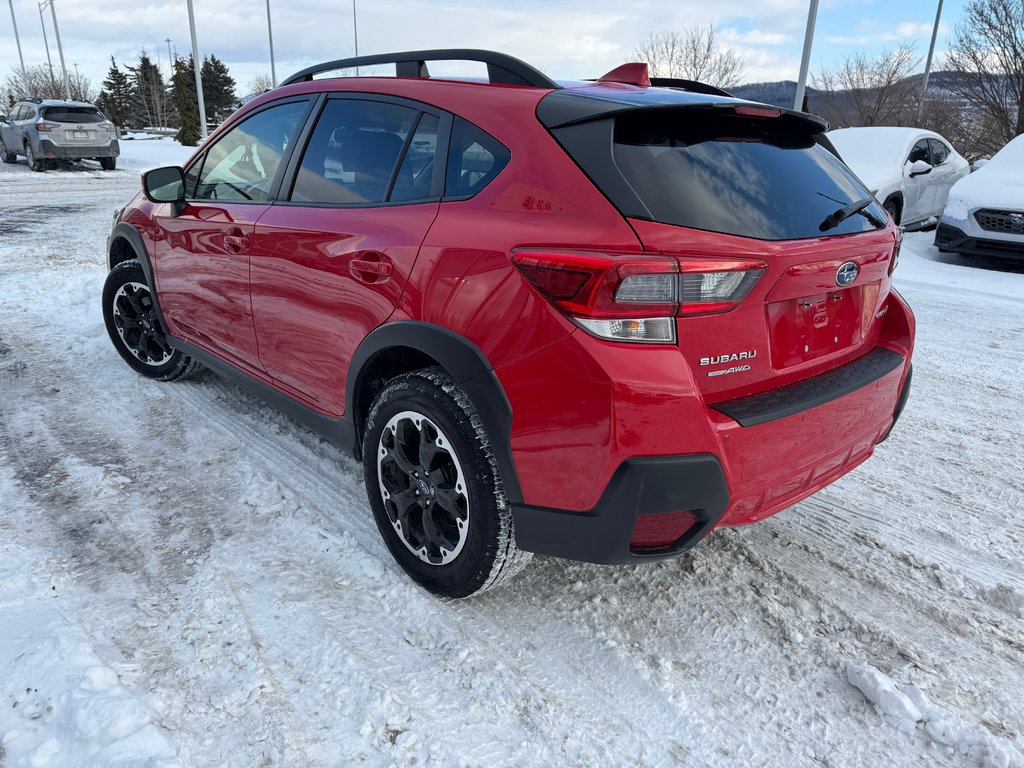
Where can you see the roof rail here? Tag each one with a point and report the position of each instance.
(501, 68)
(687, 85)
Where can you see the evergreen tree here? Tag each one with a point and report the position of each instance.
(218, 89)
(118, 97)
(152, 100)
(183, 98)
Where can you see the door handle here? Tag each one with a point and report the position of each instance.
(372, 268)
(235, 240)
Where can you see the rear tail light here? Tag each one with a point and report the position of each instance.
(47, 127)
(635, 297)
(661, 530)
(896, 251)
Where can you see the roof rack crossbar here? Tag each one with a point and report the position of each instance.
(501, 68)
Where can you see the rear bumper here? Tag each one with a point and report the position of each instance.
(48, 149)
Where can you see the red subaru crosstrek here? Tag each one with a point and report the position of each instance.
(592, 320)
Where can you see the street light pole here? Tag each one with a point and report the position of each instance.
(199, 76)
(46, 42)
(170, 58)
(805, 60)
(14, 21)
(60, 50)
(355, 32)
(270, 34)
(928, 63)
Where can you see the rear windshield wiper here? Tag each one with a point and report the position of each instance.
(835, 218)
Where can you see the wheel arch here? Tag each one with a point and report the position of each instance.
(407, 345)
(125, 244)
(897, 198)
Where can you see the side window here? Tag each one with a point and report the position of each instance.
(919, 152)
(474, 158)
(19, 113)
(242, 164)
(416, 175)
(939, 151)
(352, 154)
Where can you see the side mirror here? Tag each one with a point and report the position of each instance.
(918, 168)
(165, 185)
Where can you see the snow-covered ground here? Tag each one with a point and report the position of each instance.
(188, 578)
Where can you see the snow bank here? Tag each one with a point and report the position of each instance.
(145, 152)
(906, 707)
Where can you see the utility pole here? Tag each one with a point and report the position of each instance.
(805, 60)
(928, 63)
(42, 22)
(169, 57)
(355, 33)
(60, 49)
(14, 21)
(270, 34)
(199, 76)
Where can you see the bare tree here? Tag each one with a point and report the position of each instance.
(987, 52)
(869, 90)
(694, 55)
(260, 84)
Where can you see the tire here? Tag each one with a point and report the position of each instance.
(34, 163)
(455, 535)
(8, 157)
(893, 208)
(107, 163)
(133, 327)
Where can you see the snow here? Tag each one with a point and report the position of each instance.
(144, 151)
(875, 153)
(999, 184)
(189, 578)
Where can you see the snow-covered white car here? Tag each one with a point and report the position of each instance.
(984, 215)
(909, 170)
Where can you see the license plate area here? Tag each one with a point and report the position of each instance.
(79, 134)
(811, 327)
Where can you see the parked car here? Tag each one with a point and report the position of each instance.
(910, 170)
(45, 132)
(984, 215)
(592, 320)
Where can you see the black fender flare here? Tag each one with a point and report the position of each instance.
(124, 231)
(465, 362)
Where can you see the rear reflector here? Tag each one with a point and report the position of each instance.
(661, 530)
(637, 289)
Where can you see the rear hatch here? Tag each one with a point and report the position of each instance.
(76, 126)
(782, 278)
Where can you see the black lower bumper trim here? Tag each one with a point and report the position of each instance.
(647, 485)
(810, 393)
(47, 149)
(950, 238)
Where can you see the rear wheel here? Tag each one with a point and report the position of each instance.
(434, 487)
(132, 324)
(107, 163)
(894, 208)
(34, 163)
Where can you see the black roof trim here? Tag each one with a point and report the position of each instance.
(688, 85)
(501, 68)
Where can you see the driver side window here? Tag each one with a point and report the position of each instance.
(243, 163)
(919, 152)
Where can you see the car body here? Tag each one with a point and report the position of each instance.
(47, 131)
(909, 170)
(984, 215)
(645, 342)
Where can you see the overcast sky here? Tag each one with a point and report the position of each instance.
(564, 38)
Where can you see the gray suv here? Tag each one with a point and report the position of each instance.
(48, 131)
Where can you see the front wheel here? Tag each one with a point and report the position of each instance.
(8, 157)
(893, 208)
(132, 324)
(434, 487)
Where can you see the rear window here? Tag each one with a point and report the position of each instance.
(763, 178)
(72, 115)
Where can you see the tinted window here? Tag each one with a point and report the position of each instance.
(939, 151)
(919, 152)
(416, 175)
(243, 163)
(760, 178)
(72, 115)
(474, 158)
(352, 153)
